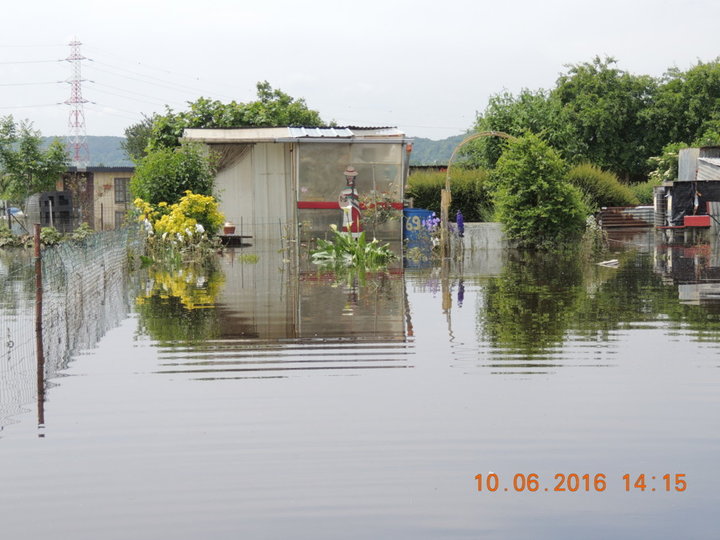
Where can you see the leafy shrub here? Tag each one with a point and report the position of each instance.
(644, 191)
(536, 206)
(164, 175)
(50, 236)
(7, 238)
(183, 232)
(600, 188)
(665, 166)
(82, 232)
(190, 211)
(470, 192)
(351, 252)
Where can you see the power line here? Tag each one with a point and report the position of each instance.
(32, 83)
(152, 102)
(162, 84)
(164, 70)
(29, 106)
(30, 62)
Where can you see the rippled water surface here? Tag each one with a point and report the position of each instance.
(266, 402)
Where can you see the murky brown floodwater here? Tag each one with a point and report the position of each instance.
(258, 402)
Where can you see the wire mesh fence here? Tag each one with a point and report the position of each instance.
(84, 293)
(17, 333)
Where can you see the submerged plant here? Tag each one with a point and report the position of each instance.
(183, 232)
(344, 250)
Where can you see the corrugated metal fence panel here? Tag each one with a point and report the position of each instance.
(688, 164)
(708, 169)
(621, 217)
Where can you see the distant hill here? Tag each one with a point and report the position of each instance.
(430, 152)
(105, 151)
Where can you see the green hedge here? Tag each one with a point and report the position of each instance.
(600, 188)
(470, 192)
(645, 191)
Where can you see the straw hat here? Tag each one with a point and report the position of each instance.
(350, 171)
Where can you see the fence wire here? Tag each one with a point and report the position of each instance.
(84, 293)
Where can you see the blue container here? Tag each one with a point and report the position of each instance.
(414, 233)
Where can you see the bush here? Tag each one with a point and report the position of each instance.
(600, 188)
(536, 206)
(645, 191)
(470, 192)
(165, 175)
(82, 232)
(346, 251)
(50, 236)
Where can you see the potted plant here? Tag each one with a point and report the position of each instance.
(228, 228)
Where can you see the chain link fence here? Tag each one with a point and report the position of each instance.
(85, 292)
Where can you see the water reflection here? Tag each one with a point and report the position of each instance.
(544, 312)
(270, 320)
(529, 307)
(18, 382)
(695, 269)
(136, 447)
(84, 293)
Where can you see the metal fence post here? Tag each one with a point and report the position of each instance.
(38, 331)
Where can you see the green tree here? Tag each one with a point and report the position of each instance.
(25, 169)
(607, 109)
(272, 108)
(530, 111)
(164, 175)
(687, 105)
(537, 207)
(137, 137)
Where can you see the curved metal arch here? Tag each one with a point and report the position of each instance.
(466, 140)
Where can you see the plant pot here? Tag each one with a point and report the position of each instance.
(229, 229)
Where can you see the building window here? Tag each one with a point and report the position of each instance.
(119, 219)
(121, 190)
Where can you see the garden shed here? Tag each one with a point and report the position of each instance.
(295, 182)
(696, 190)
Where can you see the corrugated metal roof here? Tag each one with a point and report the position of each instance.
(316, 132)
(280, 134)
(712, 160)
(708, 168)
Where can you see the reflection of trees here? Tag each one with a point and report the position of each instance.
(636, 294)
(16, 266)
(538, 298)
(530, 305)
(180, 305)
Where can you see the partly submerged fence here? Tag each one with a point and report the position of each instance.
(55, 304)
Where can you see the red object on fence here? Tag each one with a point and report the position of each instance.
(697, 221)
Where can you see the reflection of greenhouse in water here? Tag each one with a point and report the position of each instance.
(269, 320)
(259, 302)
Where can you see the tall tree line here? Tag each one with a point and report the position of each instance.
(601, 114)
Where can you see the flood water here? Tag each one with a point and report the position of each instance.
(261, 401)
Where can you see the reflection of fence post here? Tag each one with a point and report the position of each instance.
(38, 330)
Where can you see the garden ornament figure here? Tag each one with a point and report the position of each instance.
(350, 203)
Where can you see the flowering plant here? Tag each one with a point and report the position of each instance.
(181, 232)
(378, 207)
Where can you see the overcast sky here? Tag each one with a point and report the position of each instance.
(424, 66)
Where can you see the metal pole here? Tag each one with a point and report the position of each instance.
(38, 331)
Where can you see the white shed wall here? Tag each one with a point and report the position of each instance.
(256, 191)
